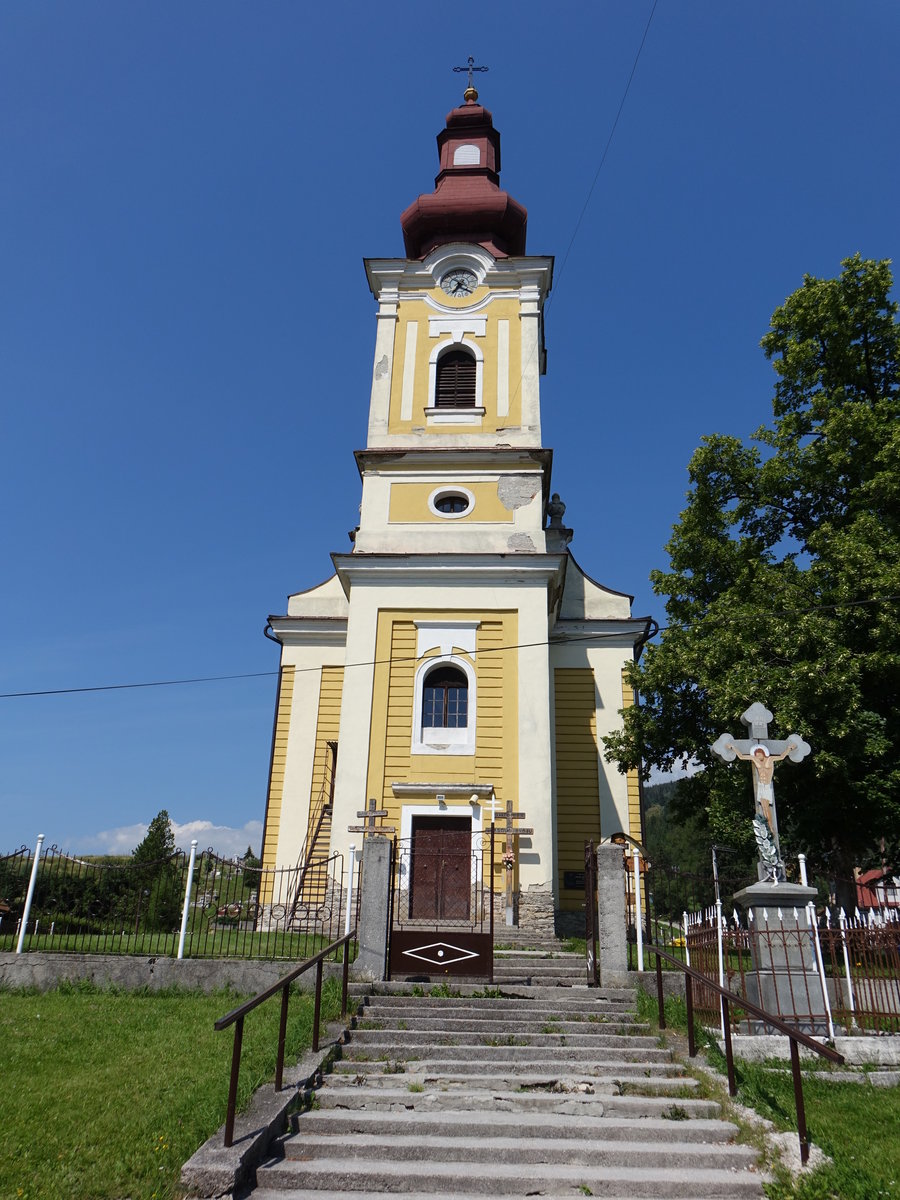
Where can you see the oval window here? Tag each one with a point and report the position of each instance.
(451, 503)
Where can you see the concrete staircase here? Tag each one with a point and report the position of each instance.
(535, 1085)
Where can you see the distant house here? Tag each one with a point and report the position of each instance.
(878, 888)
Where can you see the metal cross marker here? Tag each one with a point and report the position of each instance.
(509, 854)
(509, 829)
(369, 814)
(470, 67)
(763, 753)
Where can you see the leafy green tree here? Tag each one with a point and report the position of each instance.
(783, 587)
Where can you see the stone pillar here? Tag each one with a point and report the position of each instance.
(374, 909)
(612, 940)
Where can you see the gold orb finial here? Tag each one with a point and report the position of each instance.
(470, 95)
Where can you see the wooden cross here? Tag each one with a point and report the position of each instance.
(369, 814)
(470, 67)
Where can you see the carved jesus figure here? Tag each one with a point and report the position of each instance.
(763, 764)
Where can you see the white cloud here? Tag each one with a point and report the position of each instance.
(222, 838)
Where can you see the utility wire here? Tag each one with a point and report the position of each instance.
(570, 639)
(602, 159)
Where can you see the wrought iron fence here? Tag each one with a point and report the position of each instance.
(862, 955)
(658, 894)
(202, 905)
(827, 975)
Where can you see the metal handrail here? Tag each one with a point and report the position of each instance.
(795, 1035)
(236, 1018)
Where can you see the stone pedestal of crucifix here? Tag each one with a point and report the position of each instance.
(780, 915)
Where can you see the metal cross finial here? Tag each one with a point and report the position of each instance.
(470, 67)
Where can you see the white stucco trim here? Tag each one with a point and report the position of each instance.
(456, 490)
(444, 741)
(408, 811)
(503, 368)
(454, 416)
(477, 353)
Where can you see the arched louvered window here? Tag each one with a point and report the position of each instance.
(455, 380)
(445, 699)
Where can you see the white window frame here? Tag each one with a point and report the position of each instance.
(455, 416)
(443, 741)
(454, 490)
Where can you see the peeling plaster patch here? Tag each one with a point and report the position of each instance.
(382, 367)
(519, 541)
(517, 490)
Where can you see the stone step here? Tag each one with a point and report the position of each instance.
(649, 1056)
(400, 1099)
(439, 1147)
(489, 1061)
(618, 1001)
(266, 1193)
(476, 988)
(499, 1178)
(578, 1129)
(585, 1022)
(519, 1078)
(411, 1038)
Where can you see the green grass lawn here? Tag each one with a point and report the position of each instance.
(104, 1094)
(856, 1125)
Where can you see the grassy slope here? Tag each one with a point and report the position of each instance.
(105, 1094)
(856, 1125)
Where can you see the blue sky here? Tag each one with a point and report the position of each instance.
(186, 335)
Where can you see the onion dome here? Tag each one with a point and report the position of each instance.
(467, 204)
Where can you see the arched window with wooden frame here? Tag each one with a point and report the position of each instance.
(445, 698)
(455, 385)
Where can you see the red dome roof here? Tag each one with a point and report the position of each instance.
(467, 204)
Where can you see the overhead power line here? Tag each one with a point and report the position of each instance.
(376, 662)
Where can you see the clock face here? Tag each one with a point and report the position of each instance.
(459, 283)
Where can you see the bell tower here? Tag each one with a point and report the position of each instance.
(459, 656)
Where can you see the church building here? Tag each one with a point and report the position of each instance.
(458, 658)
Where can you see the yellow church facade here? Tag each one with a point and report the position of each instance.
(458, 658)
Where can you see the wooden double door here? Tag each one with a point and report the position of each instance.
(441, 869)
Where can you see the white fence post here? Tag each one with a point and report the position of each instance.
(720, 939)
(187, 898)
(811, 920)
(638, 915)
(350, 869)
(32, 881)
(842, 921)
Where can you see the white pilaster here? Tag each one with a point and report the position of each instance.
(382, 371)
(503, 368)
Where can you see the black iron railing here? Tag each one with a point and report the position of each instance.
(237, 1015)
(796, 1036)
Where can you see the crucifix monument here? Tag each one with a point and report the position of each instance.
(763, 752)
(786, 976)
